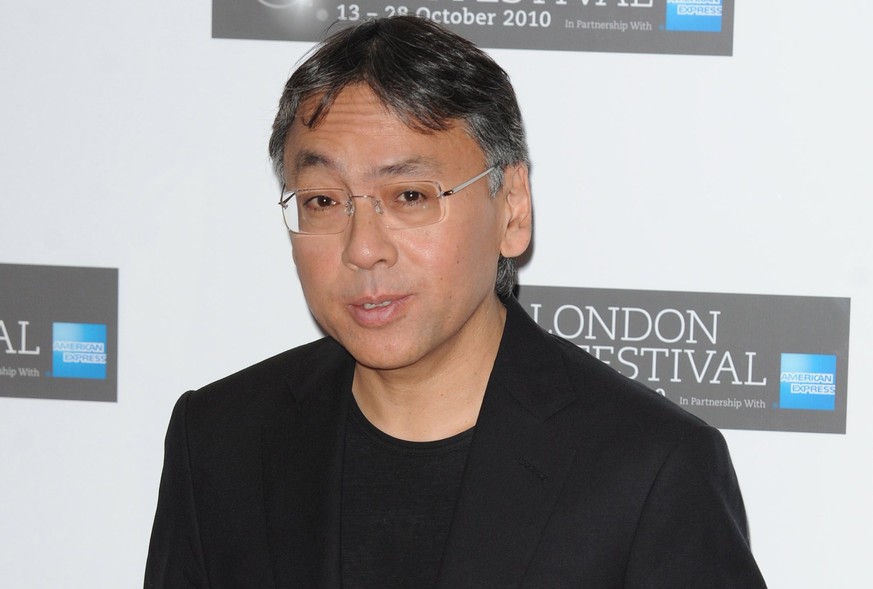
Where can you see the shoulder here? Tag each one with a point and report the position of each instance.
(604, 386)
(558, 380)
(260, 390)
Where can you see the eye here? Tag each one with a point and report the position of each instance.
(318, 201)
(411, 197)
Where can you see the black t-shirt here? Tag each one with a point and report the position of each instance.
(398, 499)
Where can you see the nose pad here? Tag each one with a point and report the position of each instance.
(350, 204)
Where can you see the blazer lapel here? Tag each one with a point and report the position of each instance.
(302, 458)
(517, 464)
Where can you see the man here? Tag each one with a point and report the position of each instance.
(437, 437)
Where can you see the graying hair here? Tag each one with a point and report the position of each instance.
(428, 77)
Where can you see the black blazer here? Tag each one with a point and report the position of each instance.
(576, 477)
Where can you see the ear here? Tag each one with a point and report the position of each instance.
(518, 208)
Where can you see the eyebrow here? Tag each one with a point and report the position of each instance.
(415, 165)
(310, 159)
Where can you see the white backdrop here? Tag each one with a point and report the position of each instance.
(131, 139)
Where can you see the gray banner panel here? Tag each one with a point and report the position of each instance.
(760, 362)
(695, 27)
(58, 332)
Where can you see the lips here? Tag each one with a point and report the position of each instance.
(378, 311)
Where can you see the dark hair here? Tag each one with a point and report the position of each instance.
(429, 77)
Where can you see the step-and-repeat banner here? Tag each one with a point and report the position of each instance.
(58, 332)
(738, 361)
(703, 27)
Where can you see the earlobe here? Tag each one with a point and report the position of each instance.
(519, 211)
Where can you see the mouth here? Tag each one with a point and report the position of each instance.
(378, 311)
(370, 306)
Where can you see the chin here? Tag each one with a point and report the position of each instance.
(375, 359)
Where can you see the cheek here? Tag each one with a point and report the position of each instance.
(311, 263)
(442, 257)
(421, 248)
(467, 259)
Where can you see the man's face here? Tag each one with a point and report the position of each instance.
(396, 297)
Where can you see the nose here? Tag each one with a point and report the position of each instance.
(368, 242)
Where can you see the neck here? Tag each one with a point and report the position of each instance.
(438, 396)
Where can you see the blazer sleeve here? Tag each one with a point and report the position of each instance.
(693, 530)
(175, 557)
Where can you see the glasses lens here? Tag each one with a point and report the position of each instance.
(402, 205)
(317, 211)
(407, 205)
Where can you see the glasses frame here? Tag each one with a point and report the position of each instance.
(286, 195)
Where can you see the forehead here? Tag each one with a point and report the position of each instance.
(359, 135)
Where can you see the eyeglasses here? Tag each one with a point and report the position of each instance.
(401, 205)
